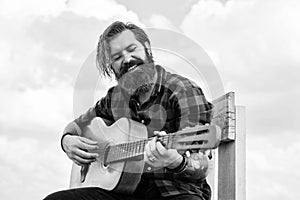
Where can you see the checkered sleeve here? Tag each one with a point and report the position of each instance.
(194, 109)
(103, 107)
(75, 127)
(100, 109)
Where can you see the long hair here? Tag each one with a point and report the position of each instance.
(103, 60)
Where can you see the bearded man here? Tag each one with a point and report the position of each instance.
(146, 93)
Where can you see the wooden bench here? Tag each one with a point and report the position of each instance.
(227, 175)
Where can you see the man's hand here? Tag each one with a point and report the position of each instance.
(77, 148)
(157, 155)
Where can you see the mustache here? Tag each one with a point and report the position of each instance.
(135, 61)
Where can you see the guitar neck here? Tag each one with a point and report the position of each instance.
(134, 149)
(198, 137)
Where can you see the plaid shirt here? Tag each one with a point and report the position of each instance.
(175, 103)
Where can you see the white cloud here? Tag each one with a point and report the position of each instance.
(43, 45)
(271, 165)
(255, 43)
(160, 21)
(102, 10)
(31, 169)
(30, 8)
(246, 33)
(38, 111)
(256, 46)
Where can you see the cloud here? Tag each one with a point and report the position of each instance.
(31, 169)
(43, 45)
(103, 10)
(256, 51)
(271, 166)
(172, 10)
(31, 8)
(106, 10)
(160, 21)
(37, 113)
(255, 46)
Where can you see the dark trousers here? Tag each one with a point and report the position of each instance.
(93, 193)
(145, 190)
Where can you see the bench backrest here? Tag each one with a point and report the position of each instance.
(227, 177)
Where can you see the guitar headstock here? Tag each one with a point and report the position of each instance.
(198, 137)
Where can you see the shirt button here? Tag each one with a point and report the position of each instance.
(143, 121)
(149, 168)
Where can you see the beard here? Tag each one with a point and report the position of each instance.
(140, 80)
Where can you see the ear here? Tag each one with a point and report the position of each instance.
(148, 48)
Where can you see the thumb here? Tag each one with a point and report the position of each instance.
(160, 133)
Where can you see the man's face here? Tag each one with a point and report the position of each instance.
(130, 63)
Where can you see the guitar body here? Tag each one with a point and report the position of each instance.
(121, 148)
(118, 176)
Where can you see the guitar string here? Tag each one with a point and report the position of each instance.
(118, 150)
(130, 147)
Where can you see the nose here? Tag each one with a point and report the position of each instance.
(127, 58)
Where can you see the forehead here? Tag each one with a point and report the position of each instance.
(122, 41)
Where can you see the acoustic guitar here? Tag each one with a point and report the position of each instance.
(121, 149)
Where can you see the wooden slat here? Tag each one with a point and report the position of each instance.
(232, 162)
(229, 162)
(226, 171)
(224, 115)
(240, 179)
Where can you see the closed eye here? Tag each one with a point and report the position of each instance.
(131, 48)
(116, 58)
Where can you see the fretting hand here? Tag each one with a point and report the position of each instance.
(157, 155)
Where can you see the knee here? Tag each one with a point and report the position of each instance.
(55, 196)
(49, 197)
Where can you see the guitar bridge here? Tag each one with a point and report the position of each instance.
(83, 172)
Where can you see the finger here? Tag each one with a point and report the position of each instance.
(83, 160)
(186, 128)
(86, 155)
(146, 153)
(160, 148)
(88, 141)
(149, 156)
(147, 149)
(86, 146)
(160, 133)
(152, 147)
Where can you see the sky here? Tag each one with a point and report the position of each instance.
(253, 44)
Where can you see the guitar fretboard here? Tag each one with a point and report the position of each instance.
(133, 149)
(191, 138)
